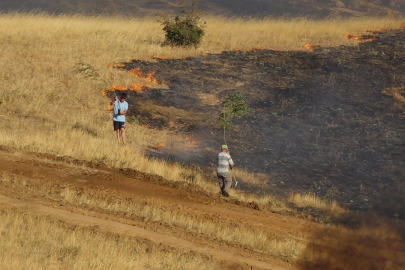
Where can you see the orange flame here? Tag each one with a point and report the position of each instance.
(309, 46)
(369, 39)
(191, 145)
(148, 77)
(160, 144)
(362, 38)
(402, 25)
(110, 108)
(159, 57)
(138, 88)
(114, 88)
(134, 87)
(353, 37)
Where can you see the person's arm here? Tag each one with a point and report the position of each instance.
(124, 112)
(230, 163)
(112, 103)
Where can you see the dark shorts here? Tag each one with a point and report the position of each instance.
(118, 125)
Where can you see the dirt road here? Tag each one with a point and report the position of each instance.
(39, 184)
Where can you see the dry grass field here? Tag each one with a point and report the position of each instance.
(48, 108)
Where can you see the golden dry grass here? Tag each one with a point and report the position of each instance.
(32, 242)
(152, 211)
(311, 200)
(397, 92)
(45, 106)
(265, 242)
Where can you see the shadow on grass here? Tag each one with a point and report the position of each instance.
(374, 240)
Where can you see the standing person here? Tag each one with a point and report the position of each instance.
(119, 112)
(225, 164)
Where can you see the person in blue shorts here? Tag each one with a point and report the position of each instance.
(119, 112)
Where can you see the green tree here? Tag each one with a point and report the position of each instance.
(235, 105)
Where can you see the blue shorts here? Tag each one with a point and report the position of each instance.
(118, 125)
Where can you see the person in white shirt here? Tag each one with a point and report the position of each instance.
(225, 164)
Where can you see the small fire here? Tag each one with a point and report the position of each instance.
(402, 25)
(138, 88)
(159, 57)
(148, 77)
(134, 87)
(369, 31)
(192, 144)
(114, 88)
(160, 145)
(369, 39)
(362, 38)
(110, 108)
(309, 46)
(354, 37)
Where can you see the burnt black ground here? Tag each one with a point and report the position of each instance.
(321, 122)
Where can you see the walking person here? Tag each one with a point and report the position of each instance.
(119, 112)
(225, 164)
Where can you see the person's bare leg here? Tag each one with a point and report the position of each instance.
(123, 139)
(118, 135)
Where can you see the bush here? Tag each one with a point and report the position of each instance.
(185, 31)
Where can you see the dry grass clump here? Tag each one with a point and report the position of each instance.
(397, 92)
(311, 200)
(32, 242)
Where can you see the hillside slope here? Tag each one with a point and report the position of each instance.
(179, 217)
(315, 8)
(329, 121)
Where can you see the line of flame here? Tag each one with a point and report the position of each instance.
(362, 38)
(309, 46)
(148, 77)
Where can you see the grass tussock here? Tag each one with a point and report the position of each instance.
(397, 92)
(32, 242)
(311, 200)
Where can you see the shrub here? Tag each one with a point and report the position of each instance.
(183, 31)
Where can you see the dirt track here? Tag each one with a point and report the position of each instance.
(34, 184)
